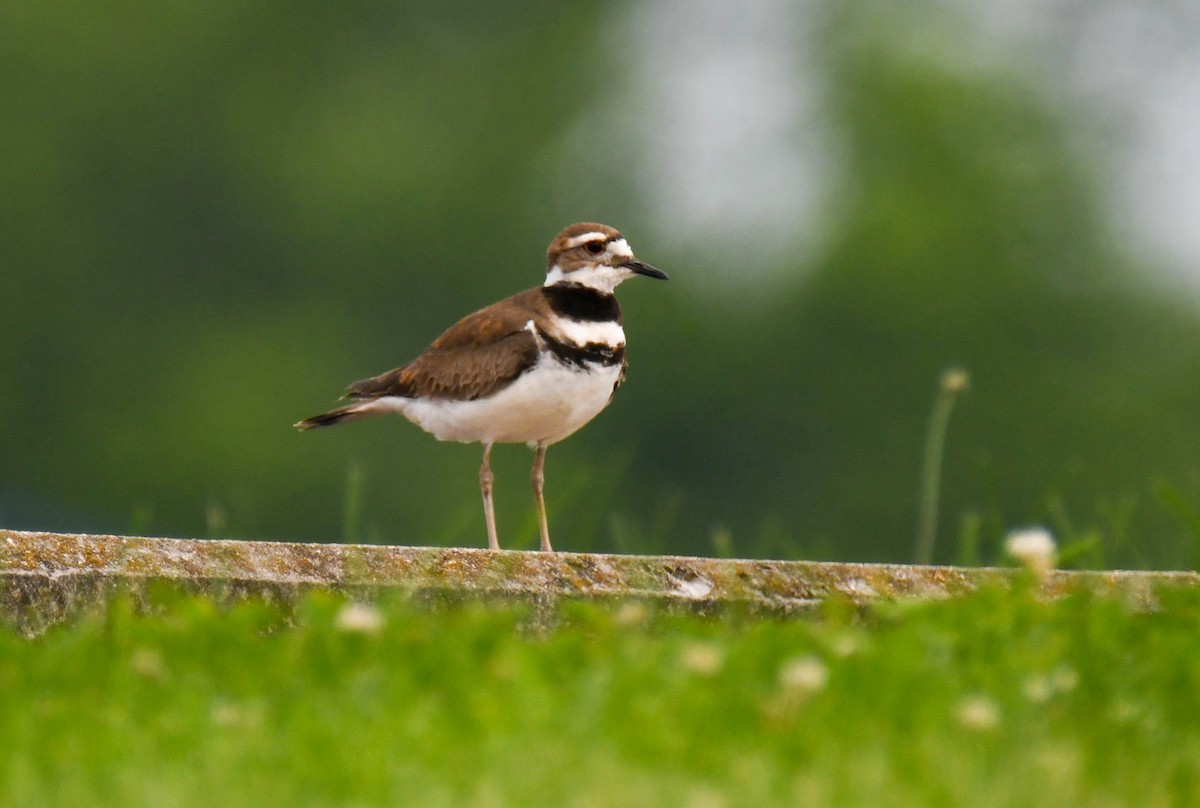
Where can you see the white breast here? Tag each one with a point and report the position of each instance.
(544, 405)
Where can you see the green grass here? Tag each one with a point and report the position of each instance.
(995, 699)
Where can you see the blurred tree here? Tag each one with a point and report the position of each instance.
(206, 206)
(968, 231)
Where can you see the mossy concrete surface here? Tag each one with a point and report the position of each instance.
(45, 577)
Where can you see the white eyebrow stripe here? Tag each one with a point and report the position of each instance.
(585, 238)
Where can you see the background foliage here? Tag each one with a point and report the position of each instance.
(216, 214)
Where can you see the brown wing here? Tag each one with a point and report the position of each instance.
(477, 356)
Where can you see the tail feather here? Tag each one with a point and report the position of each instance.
(351, 412)
(393, 383)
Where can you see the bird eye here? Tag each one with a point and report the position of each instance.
(594, 247)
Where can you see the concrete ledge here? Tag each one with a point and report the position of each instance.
(45, 577)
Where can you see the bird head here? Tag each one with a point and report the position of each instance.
(594, 255)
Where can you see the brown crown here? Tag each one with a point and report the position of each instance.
(568, 256)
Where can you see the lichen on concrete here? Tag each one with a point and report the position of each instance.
(45, 577)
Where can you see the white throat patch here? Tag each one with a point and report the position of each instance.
(600, 277)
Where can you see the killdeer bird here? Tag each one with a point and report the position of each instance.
(531, 369)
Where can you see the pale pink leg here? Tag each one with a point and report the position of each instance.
(539, 463)
(485, 486)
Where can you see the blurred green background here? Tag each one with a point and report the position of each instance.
(214, 215)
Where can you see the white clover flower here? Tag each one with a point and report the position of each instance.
(359, 618)
(1034, 547)
(148, 662)
(1064, 679)
(701, 658)
(632, 613)
(956, 380)
(804, 675)
(1041, 687)
(978, 713)
(846, 645)
(1037, 688)
(1125, 711)
(227, 714)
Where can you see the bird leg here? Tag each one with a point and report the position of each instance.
(539, 463)
(485, 486)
